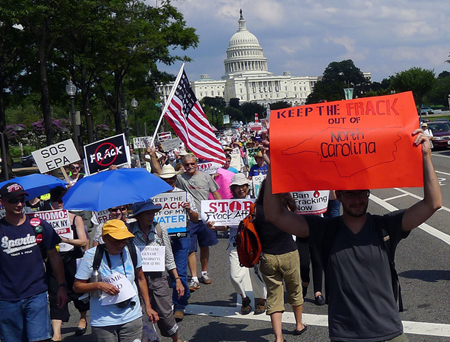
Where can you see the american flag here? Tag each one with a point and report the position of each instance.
(189, 122)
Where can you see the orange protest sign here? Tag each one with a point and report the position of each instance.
(364, 143)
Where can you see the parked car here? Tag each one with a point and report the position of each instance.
(441, 120)
(441, 134)
(28, 161)
(426, 110)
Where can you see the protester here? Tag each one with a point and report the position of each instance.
(180, 245)
(199, 185)
(24, 314)
(227, 165)
(116, 213)
(122, 321)
(79, 244)
(362, 304)
(74, 174)
(428, 132)
(240, 188)
(134, 158)
(279, 263)
(260, 168)
(37, 204)
(149, 233)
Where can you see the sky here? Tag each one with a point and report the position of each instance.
(303, 36)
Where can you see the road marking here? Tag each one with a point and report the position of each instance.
(440, 155)
(427, 228)
(412, 195)
(395, 197)
(410, 327)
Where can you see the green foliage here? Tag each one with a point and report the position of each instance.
(417, 80)
(279, 105)
(234, 102)
(438, 95)
(249, 109)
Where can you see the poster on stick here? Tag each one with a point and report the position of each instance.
(101, 154)
(364, 143)
(311, 202)
(55, 156)
(142, 142)
(172, 215)
(226, 212)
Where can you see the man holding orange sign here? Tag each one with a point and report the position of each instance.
(362, 302)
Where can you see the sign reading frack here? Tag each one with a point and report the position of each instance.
(104, 153)
(55, 156)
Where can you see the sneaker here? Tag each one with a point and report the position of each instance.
(259, 309)
(246, 308)
(178, 315)
(193, 285)
(205, 279)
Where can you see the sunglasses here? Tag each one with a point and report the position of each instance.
(118, 209)
(16, 200)
(74, 167)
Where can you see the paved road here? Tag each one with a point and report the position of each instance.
(422, 263)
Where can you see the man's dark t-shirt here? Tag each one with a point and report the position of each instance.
(362, 306)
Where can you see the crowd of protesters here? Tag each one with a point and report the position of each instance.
(284, 263)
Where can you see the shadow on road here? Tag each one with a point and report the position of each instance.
(217, 332)
(430, 276)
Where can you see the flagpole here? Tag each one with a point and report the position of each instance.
(169, 99)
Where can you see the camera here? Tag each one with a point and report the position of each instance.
(125, 303)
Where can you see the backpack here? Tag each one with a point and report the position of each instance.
(387, 245)
(248, 245)
(99, 255)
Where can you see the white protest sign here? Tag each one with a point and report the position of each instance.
(55, 156)
(226, 212)
(236, 159)
(170, 144)
(103, 216)
(257, 180)
(142, 142)
(126, 289)
(164, 136)
(59, 220)
(311, 202)
(209, 167)
(153, 258)
(172, 215)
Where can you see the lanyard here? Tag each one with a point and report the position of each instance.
(108, 260)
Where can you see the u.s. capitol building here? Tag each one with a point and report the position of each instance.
(247, 76)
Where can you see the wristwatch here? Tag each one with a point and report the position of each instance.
(63, 285)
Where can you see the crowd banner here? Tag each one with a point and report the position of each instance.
(209, 167)
(101, 154)
(56, 156)
(142, 142)
(172, 215)
(59, 220)
(311, 202)
(226, 212)
(170, 144)
(364, 143)
(257, 181)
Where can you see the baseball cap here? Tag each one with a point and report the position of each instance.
(117, 229)
(12, 190)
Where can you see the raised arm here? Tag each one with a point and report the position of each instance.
(276, 211)
(432, 197)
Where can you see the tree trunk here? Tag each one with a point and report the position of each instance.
(118, 111)
(86, 108)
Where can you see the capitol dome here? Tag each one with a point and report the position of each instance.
(244, 54)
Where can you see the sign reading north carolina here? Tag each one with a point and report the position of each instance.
(101, 154)
(356, 144)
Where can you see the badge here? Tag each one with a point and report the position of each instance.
(35, 221)
(38, 229)
(39, 238)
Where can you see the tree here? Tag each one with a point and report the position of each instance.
(280, 105)
(440, 92)
(336, 77)
(249, 109)
(234, 102)
(417, 80)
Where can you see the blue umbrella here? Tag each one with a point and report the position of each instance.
(36, 184)
(109, 189)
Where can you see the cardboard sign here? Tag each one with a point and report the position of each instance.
(257, 181)
(311, 202)
(103, 216)
(170, 144)
(172, 215)
(55, 156)
(59, 220)
(226, 212)
(125, 287)
(236, 161)
(153, 258)
(142, 142)
(357, 144)
(209, 167)
(101, 154)
(164, 136)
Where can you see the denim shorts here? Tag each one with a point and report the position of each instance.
(206, 237)
(25, 320)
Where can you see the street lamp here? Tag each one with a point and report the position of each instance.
(71, 90)
(134, 105)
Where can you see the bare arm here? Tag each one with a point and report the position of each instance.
(178, 283)
(216, 195)
(432, 199)
(276, 211)
(152, 314)
(156, 168)
(58, 269)
(82, 240)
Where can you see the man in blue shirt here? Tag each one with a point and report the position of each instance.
(260, 168)
(24, 314)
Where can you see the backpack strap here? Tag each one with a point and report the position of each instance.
(389, 247)
(98, 257)
(158, 230)
(133, 256)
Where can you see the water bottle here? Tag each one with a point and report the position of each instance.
(95, 277)
(152, 334)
